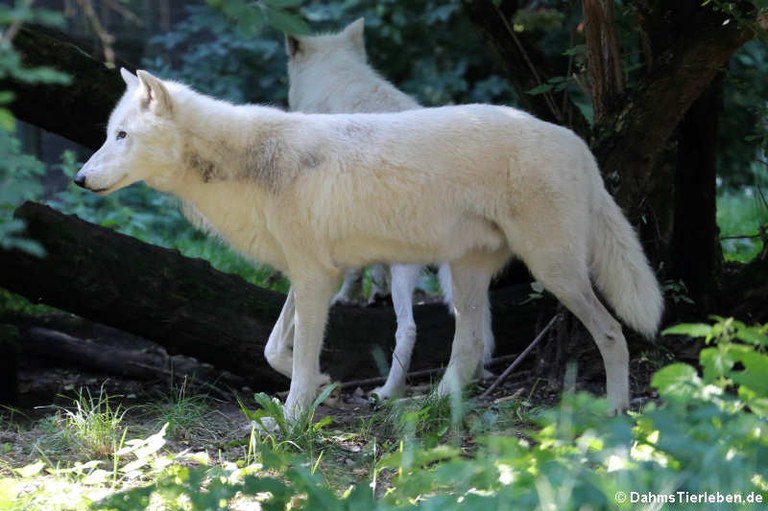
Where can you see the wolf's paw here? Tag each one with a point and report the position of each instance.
(343, 298)
(386, 392)
(451, 383)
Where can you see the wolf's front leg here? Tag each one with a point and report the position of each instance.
(279, 348)
(404, 278)
(312, 293)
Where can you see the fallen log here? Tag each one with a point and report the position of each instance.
(190, 308)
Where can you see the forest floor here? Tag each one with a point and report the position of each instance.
(39, 426)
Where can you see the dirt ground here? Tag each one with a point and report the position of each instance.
(46, 390)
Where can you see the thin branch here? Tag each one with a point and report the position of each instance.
(105, 37)
(13, 29)
(368, 382)
(742, 237)
(547, 96)
(126, 13)
(520, 358)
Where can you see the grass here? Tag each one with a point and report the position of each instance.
(184, 414)
(92, 428)
(741, 213)
(424, 453)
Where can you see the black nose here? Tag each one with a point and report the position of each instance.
(80, 180)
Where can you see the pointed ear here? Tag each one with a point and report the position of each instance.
(129, 78)
(355, 32)
(292, 45)
(154, 95)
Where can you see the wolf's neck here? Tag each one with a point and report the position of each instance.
(222, 142)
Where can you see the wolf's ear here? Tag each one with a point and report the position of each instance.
(129, 78)
(292, 45)
(154, 95)
(355, 32)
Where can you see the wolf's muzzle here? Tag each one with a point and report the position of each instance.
(79, 180)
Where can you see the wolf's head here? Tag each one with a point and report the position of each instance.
(139, 143)
(349, 44)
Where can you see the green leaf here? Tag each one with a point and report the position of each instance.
(250, 21)
(752, 335)
(689, 329)
(717, 363)
(676, 380)
(284, 3)
(7, 120)
(755, 373)
(758, 405)
(30, 470)
(286, 22)
(540, 89)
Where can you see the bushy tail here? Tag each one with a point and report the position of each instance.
(621, 271)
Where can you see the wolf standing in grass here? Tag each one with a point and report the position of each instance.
(313, 194)
(330, 74)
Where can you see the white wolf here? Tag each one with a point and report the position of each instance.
(312, 194)
(330, 74)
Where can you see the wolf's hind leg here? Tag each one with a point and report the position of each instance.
(380, 282)
(351, 289)
(404, 277)
(279, 348)
(567, 277)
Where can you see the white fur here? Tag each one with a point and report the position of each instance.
(312, 194)
(330, 74)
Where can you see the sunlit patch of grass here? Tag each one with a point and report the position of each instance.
(93, 426)
(741, 213)
(184, 413)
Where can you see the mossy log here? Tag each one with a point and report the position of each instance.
(190, 308)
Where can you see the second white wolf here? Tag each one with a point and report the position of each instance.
(331, 74)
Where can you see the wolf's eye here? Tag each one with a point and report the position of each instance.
(121, 135)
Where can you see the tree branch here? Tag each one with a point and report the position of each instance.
(78, 111)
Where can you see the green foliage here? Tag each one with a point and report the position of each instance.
(19, 173)
(743, 133)
(250, 16)
(742, 215)
(737, 360)
(215, 56)
(273, 429)
(19, 181)
(705, 435)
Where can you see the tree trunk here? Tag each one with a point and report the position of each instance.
(695, 247)
(190, 308)
(629, 142)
